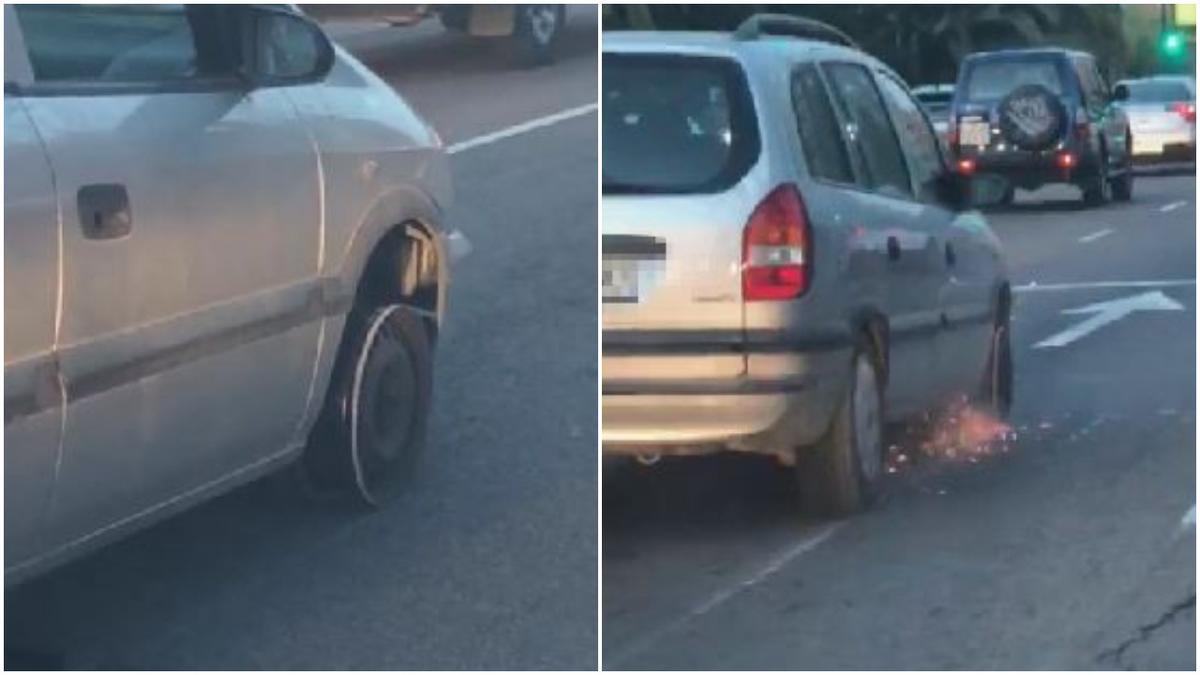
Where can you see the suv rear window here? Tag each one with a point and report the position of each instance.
(993, 79)
(1148, 91)
(675, 124)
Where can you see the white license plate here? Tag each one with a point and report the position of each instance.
(1147, 147)
(974, 133)
(628, 280)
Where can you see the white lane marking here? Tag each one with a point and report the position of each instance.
(1108, 312)
(1172, 206)
(1095, 235)
(518, 129)
(1033, 286)
(719, 598)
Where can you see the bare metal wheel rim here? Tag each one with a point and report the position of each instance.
(867, 422)
(382, 414)
(997, 339)
(543, 22)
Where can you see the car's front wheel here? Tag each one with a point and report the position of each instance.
(372, 429)
(840, 475)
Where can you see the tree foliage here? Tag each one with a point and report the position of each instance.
(924, 43)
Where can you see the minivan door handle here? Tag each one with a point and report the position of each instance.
(104, 211)
(893, 248)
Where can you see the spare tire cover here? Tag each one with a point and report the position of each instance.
(1031, 117)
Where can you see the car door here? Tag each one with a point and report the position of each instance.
(32, 398)
(892, 224)
(962, 268)
(191, 222)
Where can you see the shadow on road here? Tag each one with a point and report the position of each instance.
(185, 560)
(702, 497)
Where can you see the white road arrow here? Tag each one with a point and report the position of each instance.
(1106, 313)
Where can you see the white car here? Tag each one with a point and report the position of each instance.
(1162, 117)
(224, 252)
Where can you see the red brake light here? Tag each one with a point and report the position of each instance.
(1065, 160)
(775, 247)
(1184, 109)
(966, 166)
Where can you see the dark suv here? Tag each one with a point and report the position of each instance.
(1041, 116)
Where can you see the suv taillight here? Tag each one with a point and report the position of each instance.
(775, 247)
(952, 134)
(1184, 109)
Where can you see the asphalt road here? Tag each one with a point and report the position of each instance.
(490, 560)
(1069, 547)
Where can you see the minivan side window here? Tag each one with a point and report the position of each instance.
(869, 129)
(119, 44)
(916, 137)
(824, 149)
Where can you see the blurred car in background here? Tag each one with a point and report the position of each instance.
(936, 99)
(533, 29)
(1038, 117)
(1162, 116)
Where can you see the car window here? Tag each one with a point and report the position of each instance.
(993, 80)
(287, 47)
(1090, 83)
(869, 129)
(675, 124)
(116, 44)
(824, 147)
(916, 137)
(1161, 91)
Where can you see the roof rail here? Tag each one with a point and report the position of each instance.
(759, 25)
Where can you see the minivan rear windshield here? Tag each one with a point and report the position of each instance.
(675, 124)
(1149, 91)
(993, 80)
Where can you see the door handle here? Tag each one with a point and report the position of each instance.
(104, 211)
(893, 248)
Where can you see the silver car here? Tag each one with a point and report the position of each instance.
(1162, 117)
(224, 253)
(787, 261)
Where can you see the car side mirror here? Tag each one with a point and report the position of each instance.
(281, 48)
(1120, 93)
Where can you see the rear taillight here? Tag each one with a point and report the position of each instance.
(776, 245)
(952, 135)
(1184, 109)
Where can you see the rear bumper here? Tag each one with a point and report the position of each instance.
(1031, 170)
(784, 400)
(1164, 146)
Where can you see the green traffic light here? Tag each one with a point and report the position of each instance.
(1172, 43)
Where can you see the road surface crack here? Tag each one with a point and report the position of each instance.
(1144, 632)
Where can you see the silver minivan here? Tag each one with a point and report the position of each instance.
(787, 261)
(224, 252)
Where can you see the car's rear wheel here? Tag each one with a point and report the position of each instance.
(840, 474)
(1122, 186)
(372, 430)
(536, 32)
(1098, 190)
